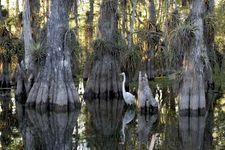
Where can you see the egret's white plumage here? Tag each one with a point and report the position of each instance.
(128, 97)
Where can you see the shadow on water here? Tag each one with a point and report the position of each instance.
(46, 131)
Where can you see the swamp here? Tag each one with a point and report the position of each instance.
(112, 74)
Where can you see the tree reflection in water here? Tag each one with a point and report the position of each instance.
(105, 123)
(145, 128)
(192, 132)
(46, 131)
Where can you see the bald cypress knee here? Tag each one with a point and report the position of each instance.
(54, 87)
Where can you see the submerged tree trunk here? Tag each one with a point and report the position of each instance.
(54, 87)
(192, 93)
(103, 79)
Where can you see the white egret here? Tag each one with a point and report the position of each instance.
(128, 97)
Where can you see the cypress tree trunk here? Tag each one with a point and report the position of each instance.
(124, 16)
(54, 87)
(25, 68)
(209, 34)
(151, 46)
(0, 10)
(89, 37)
(27, 35)
(192, 93)
(35, 19)
(132, 20)
(184, 2)
(104, 80)
(75, 12)
(4, 78)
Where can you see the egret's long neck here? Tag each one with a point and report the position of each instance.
(123, 86)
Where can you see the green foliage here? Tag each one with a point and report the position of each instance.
(220, 26)
(9, 45)
(150, 36)
(182, 36)
(102, 47)
(131, 59)
(38, 54)
(218, 78)
(209, 21)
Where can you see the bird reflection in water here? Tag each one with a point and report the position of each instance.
(127, 118)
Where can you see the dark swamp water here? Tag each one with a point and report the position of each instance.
(107, 124)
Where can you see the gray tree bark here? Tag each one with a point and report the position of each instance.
(27, 36)
(26, 67)
(132, 20)
(146, 99)
(35, 19)
(124, 16)
(0, 10)
(103, 80)
(151, 46)
(89, 37)
(192, 92)
(209, 35)
(107, 24)
(54, 87)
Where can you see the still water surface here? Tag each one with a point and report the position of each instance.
(106, 124)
